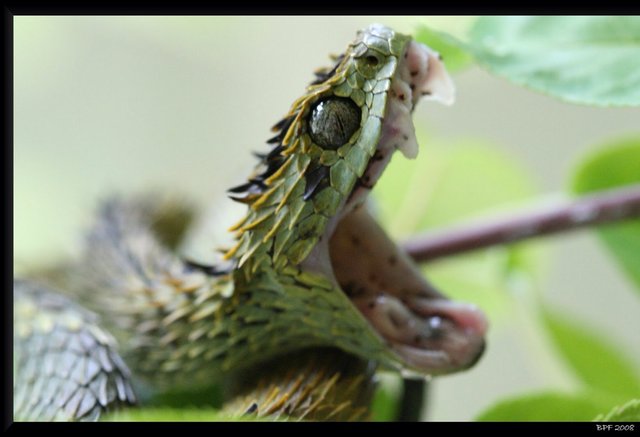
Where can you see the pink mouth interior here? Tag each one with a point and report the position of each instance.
(431, 333)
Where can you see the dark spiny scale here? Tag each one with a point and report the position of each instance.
(258, 183)
(261, 156)
(283, 125)
(314, 179)
(321, 76)
(207, 269)
(322, 71)
(252, 409)
(275, 153)
(240, 188)
(246, 198)
(278, 138)
(248, 192)
(272, 167)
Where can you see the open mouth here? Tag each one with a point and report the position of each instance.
(430, 333)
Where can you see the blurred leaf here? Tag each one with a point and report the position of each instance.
(475, 178)
(386, 399)
(615, 164)
(629, 412)
(454, 57)
(593, 358)
(210, 396)
(384, 406)
(456, 181)
(587, 60)
(170, 415)
(546, 406)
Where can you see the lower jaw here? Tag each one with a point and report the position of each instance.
(430, 333)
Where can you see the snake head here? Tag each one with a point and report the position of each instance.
(308, 223)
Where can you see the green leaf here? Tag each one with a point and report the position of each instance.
(205, 396)
(454, 57)
(616, 164)
(386, 399)
(629, 412)
(593, 358)
(171, 415)
(434, 191)
(587, 60)
(547, 406)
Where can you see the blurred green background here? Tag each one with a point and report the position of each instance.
(122, 104)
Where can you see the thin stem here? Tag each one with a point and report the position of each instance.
(413, 400)
(593, 210)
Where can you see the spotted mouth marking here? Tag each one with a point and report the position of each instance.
(430, 333)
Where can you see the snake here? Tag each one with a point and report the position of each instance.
(297, 317)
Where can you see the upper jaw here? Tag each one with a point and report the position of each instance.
(421, 75)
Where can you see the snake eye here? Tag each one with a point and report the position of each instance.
(333, 121)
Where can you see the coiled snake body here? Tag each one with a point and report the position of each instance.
(311, 300)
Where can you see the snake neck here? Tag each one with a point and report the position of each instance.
(180, 327)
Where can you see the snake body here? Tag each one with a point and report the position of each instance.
(294, 315)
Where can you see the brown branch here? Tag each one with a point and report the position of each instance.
(593, 210)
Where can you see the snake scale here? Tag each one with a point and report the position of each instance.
(299, 314)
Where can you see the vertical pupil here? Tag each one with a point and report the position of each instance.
(333, 121)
